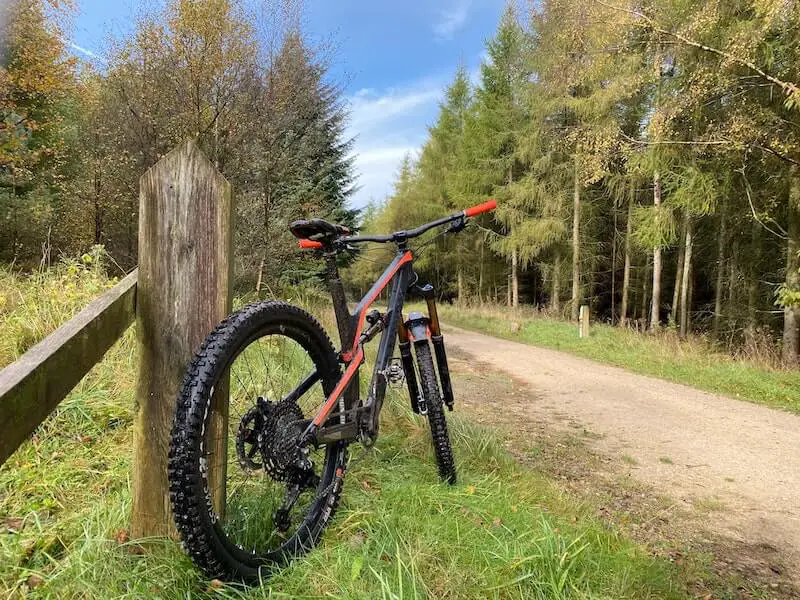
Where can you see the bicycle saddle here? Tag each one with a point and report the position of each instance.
(316, 228)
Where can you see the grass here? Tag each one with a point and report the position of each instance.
(503, 532)
(692, 362)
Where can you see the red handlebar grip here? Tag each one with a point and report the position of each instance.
(309, 244)
(481, 208)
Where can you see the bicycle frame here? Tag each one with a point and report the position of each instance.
(364, 417)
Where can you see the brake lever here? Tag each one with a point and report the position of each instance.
(457, 226)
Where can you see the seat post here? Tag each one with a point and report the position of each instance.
(344, 321)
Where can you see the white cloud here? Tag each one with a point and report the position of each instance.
(451, 19)
(368, 108)
(381, 156)
(87, 52)
(387, 125)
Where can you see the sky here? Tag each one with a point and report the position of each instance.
(393, 57)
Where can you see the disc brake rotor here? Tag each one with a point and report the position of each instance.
(247, 449)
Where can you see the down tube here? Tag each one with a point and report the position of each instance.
(385, 350)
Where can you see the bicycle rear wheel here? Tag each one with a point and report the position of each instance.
(274, 499)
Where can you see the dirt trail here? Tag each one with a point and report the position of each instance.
(739, 462)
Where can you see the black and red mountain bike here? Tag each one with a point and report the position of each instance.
(294, 407)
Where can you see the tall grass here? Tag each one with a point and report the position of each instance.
(33, 306)
(693, 361)
(502, 532)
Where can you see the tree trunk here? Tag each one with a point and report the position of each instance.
(262, 275)
(791, 313)
(260, 281)
(480, 277)
(460, 279)
(514, 279)
(674, 314)
(626, 277)
(655, 314)
(645, 294)
(98, 215)
(614, 266)
(555, 301)
(753, 275)
(576, 246)
(723, 231)
(687, 265)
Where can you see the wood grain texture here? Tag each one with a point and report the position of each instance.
(185, 224)
(31, 387)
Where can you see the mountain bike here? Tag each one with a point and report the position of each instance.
(254, 480)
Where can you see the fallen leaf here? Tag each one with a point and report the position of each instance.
(34, 581)
(471, 489)
(13, 524)
(216, 584)
(122, 536)
(365, 484)
(497, 522)
(357, 539)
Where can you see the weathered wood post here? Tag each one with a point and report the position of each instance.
(583, 326)
(185, 224)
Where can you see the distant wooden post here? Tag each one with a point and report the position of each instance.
(583, 326)
(185, 224)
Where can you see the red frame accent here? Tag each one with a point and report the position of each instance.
(368, 300)
(307, 244)
(340, 387)
(481, 208)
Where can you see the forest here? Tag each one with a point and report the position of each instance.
(645, 155)
(242, 80)
(646, 161)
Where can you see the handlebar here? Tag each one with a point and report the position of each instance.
(481, 208)
(402, 236)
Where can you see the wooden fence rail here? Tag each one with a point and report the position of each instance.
(32, 387)
(181, 290)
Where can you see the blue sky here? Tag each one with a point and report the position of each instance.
(394, 57)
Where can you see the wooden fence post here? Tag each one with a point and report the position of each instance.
(185, 225)
(583, 322)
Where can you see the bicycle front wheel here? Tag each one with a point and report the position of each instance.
(246, 497)
(429, 384)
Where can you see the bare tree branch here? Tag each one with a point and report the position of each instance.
(789, 88)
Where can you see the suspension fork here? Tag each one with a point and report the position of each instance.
(408, 365)
(428, 293)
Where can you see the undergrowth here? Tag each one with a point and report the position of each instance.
(503, 532)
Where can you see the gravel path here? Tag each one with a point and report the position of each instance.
(738, 461)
